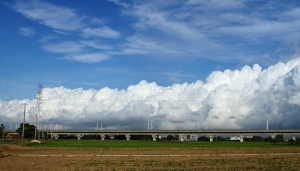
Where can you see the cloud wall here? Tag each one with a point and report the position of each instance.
(238, 99)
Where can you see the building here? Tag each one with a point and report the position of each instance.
(285, 137)
(191, 137)
(11, 136)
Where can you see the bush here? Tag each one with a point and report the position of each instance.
(203, 138)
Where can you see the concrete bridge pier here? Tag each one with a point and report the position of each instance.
(102, 136)
(242, 138)
(273, 136)
(79, 136)
(211, 137)
(56, 136)
(112, 137)
(181, 137)
(154, 136)
(127, 137)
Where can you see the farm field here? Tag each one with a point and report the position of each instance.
(164, 156)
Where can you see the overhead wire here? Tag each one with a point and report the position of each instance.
(6, 92)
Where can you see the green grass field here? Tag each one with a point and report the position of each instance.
(150, 144)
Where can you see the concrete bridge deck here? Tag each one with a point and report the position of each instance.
(142, 132)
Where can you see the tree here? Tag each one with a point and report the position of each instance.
(141, 137)
(28, 130)
(219, 138)
(257, 138)
(203, 138)
(2, 128)
(170, 137)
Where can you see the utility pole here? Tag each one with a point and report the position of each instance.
(23, 124)
(43, 128)
(51, 129)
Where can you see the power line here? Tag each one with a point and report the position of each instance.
(6, 92)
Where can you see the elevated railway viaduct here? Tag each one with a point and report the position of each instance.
(181, 133)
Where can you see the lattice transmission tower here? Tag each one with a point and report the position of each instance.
(39, 108)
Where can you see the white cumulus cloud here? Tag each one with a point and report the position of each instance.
(232, 99)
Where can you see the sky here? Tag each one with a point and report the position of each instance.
(176, 64)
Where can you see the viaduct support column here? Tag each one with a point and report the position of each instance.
(211, 138)
(127, 137)
(181, 137)
(56, 136)
(273, 136)
(154, 136)
(241, 138)
(79, 136)
(112, 137)
(102, 136)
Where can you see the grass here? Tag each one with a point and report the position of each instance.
(151, 144)
(6, 141)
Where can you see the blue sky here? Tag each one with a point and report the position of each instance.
(116, 44)
(178, 64)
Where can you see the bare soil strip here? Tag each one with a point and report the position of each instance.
(25, 158)
(146, 155)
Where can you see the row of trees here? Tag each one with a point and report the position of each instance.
(220, 138)
(253, 139)
(97, 137)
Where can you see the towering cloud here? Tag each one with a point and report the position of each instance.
(245, 98)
